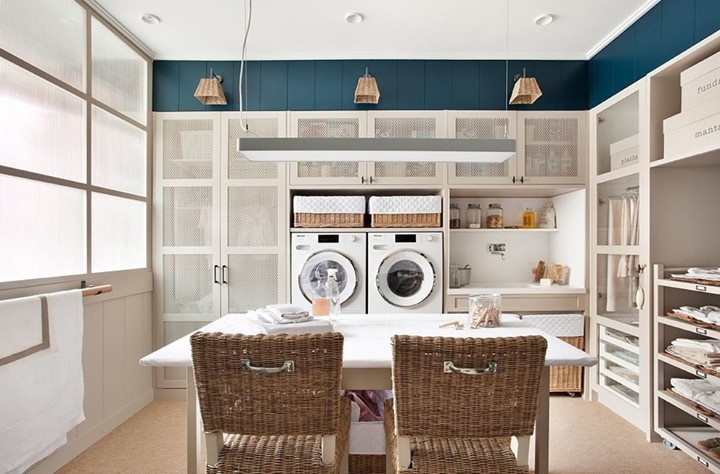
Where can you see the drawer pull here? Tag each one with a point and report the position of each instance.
(703, 462)
(700, 331)
(702, 418)
(700, 374)
(701, 287)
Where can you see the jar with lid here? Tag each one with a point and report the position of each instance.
(473, 216)
(529, 219)
(494, 218)
(484, 310)
(454, 216)
(547, 218)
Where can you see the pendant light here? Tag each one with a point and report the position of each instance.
(526, 90)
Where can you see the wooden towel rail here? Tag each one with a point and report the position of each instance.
(96, 290)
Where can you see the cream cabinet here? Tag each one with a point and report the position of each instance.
(220, 227)
(361, 124)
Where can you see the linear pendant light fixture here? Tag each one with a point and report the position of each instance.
(371, 149)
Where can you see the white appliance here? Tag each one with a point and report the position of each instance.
(405, 272)
(313, 253)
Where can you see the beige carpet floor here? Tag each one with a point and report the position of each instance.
(585, 437)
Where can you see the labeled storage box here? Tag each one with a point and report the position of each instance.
(692, 132)
(571, 329)
(624, 153)
(329, 211)
(700, 84)
(405, 211)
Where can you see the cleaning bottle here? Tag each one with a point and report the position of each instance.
(332, 292)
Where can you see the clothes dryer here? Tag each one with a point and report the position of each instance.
(311, 256)
(405, 272)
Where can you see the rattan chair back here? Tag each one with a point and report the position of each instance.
(234, 399)
(430, 402)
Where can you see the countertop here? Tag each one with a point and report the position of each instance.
(515, 288)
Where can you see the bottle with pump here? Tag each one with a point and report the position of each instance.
(332, 292)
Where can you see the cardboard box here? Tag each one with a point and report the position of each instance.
(624, 153)
(692, 132)
(700, 84)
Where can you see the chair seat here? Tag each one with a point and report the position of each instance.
(462, 455)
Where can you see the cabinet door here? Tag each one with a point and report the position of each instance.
(406, 125)
(482, 125)
(253, 228)
(328, 125)
(552, 147)
(186, 253)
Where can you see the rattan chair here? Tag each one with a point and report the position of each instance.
(463, 405)
(272, 404)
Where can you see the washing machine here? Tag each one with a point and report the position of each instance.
(405, 272)
(313, 253)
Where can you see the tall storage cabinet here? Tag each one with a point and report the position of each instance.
(220, 237)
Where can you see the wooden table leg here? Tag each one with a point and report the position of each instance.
(542, 424)
(194, 425)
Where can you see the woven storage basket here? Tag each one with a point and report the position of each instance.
(329, 211)
(568, 379)
(367, 464)
(405, 211)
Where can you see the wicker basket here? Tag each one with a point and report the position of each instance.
(367, 464)
(568, 379)
(405, 220)
(307, 219)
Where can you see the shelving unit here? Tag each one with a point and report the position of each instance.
(678, 421)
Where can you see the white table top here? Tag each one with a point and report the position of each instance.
(367, 338)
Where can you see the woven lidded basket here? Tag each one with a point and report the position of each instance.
(329, 211)
(405, 211)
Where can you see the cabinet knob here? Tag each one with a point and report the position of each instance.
(353, 238)
(429, 238)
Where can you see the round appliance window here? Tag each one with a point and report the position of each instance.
(314, 273)
(405, 278)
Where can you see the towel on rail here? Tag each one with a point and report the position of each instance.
(42, 392)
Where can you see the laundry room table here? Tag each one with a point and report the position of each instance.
(367, 358)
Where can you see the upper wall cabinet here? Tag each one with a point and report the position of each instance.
(362, 124)
(482, 125)
(552, 148)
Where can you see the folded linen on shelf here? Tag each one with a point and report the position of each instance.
(275, 317)
(709, 346)
(707, 314)
(691, 388)
(288, 311)
(709, 400)
(694, 356)
(712, 274)
(308, 325)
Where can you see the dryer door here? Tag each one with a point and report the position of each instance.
(314, 273)
(405, 278)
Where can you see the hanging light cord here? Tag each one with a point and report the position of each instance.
(243, 59)
(507, 49)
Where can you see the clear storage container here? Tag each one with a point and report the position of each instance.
(494, 218)
(454, 216)
(473, 216)
(484, 310)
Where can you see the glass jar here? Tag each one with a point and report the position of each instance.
(454, 216)
(494, 218)
(484, 310)
(529, 219)
(547, 219)
(473, 216)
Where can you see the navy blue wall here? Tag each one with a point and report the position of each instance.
(668, 29)
(403, 84)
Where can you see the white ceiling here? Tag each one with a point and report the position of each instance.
(393, 29)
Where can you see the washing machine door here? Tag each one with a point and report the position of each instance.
(314, 274)
(405, 278)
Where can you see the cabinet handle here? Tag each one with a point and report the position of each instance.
(513, 179)
(703, 462)
(215, 274)
(701, 417)
(522, 179)
(362, 179)
(371, 179)
(225, 274)
(640, 298)
(700, 374)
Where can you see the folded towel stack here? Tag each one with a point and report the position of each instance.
(700, 391)
(704, 352)
(288, 319)
(712, 274)
(707, 314)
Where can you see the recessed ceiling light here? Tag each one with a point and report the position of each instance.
(544, 20)
(354, 18)
(150, 18)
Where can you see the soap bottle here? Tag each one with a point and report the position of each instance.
(528, 219)
(332, 291)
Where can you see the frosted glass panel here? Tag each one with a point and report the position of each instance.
(119, 233)
(42, 127)
(42, 230)
(48, 34)
(119, 154)
(119, 74)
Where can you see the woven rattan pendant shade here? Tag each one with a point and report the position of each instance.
(526, 91)
(210, 92)
(367, 91)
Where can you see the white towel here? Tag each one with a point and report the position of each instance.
(45, 390)
(709, 400)
(309, 325)
(288, 311)
(691, 388)
(272, 317)
(613, 261)
(711, 346)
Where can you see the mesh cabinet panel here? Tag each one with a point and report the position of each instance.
(187, 149)
(172, 331)
(252, 215)
(328, 128)
(405, 127)
(252, 282)
(240, 167)
(187, 216)
(188, 284)
(551, 147)
(482, 128)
